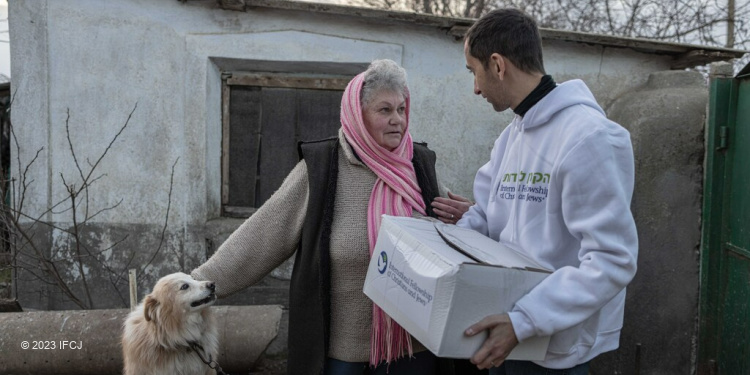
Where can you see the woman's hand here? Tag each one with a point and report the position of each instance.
(451, 209)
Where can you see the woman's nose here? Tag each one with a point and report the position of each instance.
(397, 118)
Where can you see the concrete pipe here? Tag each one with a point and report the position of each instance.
(88, 341)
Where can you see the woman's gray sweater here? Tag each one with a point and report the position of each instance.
(272, 233)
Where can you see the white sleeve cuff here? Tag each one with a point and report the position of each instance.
(521, 325)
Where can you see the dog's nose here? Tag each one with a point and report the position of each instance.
(211, 286)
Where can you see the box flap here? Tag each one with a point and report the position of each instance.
(424, 230)
(483, 249)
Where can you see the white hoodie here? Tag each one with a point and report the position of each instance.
(558, 188)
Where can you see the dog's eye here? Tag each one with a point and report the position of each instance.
(184, 286)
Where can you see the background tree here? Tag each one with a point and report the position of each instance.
(450, 8)
(30, 252)
(717, 23)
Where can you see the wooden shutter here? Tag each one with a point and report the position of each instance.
(264, 119)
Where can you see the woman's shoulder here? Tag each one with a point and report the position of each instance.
(306, 148)
(421, 148)
(323, 140)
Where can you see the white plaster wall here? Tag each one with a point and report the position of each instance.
(30, 105)
(205, 115)
(98, 59)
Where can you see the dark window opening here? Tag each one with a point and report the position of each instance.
(265, 115)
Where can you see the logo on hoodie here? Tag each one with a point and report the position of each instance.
(532, 178)
(529, 187)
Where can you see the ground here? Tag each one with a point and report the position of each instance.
(269, 366)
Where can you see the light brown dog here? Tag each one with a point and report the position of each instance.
(159, 335)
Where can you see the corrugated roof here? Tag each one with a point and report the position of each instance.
(685, 55)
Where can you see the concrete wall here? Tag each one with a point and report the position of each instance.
(98, 59)
(666, 119)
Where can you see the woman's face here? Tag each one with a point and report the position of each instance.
(385, 118)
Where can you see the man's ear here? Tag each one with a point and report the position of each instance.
(149, 308)
(498, 65)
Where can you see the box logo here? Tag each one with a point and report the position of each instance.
(382, 262)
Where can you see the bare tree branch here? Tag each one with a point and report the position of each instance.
(687, 21)
(29, 256)
(166, 221)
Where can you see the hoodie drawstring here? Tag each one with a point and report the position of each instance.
(514, 212)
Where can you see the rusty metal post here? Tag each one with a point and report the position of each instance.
(133, 289)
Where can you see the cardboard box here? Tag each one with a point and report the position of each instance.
(436, 280)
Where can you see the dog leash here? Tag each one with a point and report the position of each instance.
(198, 349)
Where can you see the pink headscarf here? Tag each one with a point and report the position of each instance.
(396, 193)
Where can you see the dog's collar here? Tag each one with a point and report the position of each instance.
(193, 345)
(198, 349)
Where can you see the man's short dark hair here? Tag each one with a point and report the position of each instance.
(511, 33)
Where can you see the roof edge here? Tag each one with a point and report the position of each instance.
(686, 55)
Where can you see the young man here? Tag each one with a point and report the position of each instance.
(557, 188)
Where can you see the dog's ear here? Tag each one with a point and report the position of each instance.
(149, 308)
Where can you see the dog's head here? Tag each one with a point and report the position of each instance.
(178, 295)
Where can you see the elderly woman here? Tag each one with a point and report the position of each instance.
(329, 208)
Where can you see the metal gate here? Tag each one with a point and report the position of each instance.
(724, 346)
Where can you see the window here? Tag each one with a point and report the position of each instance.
(264, 116)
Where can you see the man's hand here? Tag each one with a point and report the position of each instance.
(500, 341)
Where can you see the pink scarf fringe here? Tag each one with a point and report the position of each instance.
(396, 193)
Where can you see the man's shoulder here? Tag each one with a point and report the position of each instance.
(585, 119)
